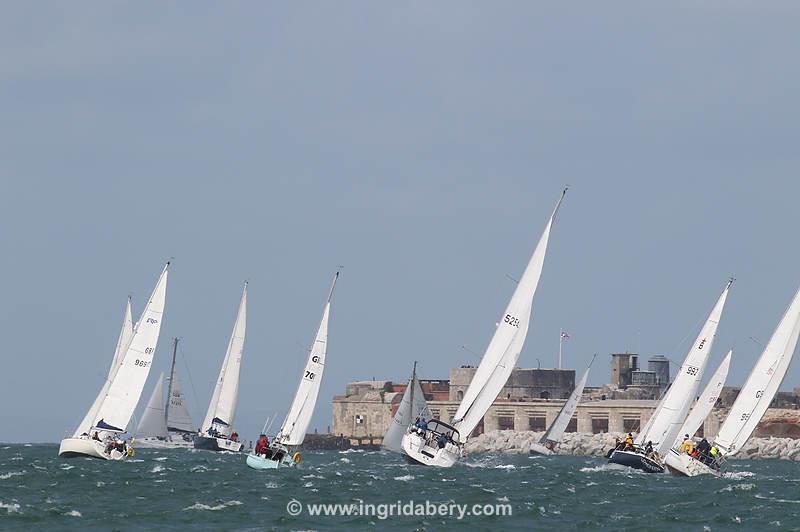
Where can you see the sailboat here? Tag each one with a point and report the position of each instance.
(752, 402)
(663, 426)
(706, 401)
(293, 430)
(216, 433)
(441, 444)
(166, 424)
(412, 406)
(548, 442)
(98, 434)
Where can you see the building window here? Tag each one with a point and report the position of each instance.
(544, 395)
(572, 426)
(460, 395)
(631, 424)
(537, 423)
(599, 424)
(566, 395)
(505, 423)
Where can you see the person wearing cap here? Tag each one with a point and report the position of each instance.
(688, 445)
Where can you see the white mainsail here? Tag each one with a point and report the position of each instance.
(127, 384)
(293, 429)
(222, 409)
(559, 426)
(413, 405)
(154, 422)
(706, 401)
(178, 417)
(672, 410)
(125, 335)
(504, 349)
(762, 384)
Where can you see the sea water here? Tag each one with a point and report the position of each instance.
(201, 490)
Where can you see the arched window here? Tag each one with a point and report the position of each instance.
(459, 395)
(544, 395)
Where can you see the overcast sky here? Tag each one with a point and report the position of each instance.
(421, 146)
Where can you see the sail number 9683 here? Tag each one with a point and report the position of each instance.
(511, 320)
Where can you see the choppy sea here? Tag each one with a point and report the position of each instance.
(200, 490)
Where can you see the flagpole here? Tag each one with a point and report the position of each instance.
(560, 344)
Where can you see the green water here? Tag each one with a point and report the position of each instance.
(188, 490)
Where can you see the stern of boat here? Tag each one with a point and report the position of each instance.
(419, 451)
(538, 448)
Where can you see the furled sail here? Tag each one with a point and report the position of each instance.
(293, 429)
(762, 384)
(559, 426)
(706, 401)
(672, 410)
(153, 423)
(127, 384)
(413, 405)
(503, 351)
(222, 409)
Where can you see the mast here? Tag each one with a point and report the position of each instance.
(413, 380)
(171, 380)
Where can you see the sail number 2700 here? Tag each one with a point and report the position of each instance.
(511, 320)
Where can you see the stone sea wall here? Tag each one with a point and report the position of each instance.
(579, 444)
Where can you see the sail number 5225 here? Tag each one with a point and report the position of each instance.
(511, 320)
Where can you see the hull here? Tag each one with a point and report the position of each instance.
(421, 452)
(210, 443)
(538, 448)
(169, 443)
(261, 462)
(636, 461)
(77, 447)
(683, 465)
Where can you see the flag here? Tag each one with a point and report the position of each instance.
(564, 335)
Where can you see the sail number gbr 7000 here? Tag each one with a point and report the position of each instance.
(511, 320)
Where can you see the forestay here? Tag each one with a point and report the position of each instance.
(762, 384)
(672, 410)
(128, 382)
(503, 351)
(293, 429)
(559, 426)
(222, 409)
(412, 406)
(125, 335)
(153, 423)
(706, 401)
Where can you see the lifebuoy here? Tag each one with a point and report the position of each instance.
(296, 457)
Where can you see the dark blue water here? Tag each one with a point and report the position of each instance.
(187, 490)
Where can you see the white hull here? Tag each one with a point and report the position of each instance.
(75, 447)
(683, 465)
(158, 443)
(278, 456)
(538, 448)
(208, 443)
(422, 452)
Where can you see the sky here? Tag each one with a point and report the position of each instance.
(419, 146)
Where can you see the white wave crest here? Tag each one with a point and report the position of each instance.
(11, 507)
(405, 478)
(201, 506)
(6, 476)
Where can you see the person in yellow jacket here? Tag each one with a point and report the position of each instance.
(687, 446)
(629, 441)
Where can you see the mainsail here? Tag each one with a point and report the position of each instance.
(153, 422)
(559, 426)
(413, 405)
(293, 429)
(504, 349)
(125, 335)
(671, 412)
(222, 408)
(762, 384)
(178, 417)
(128, 382)
(706, 401)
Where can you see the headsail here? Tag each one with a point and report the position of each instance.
(556, 430)
(671, 411)
(153, 422)
(177, 415)
(222, 408)
(706, 401)
(412, 406)
(125, 335)
(126, 387)
(293, 430)
(503, 351)
(762, 384)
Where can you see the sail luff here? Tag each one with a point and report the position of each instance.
(503, 351)
(706, 401)
(762, 384)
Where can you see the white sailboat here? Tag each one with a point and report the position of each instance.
(293, 430)
(548, 442)
(216, 433)
(99, 433)
(442, 444)
(166, 424)
(663, 426)
(706, 401)
(753, 400)
(412, 406)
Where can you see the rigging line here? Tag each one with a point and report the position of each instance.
(186, 365)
